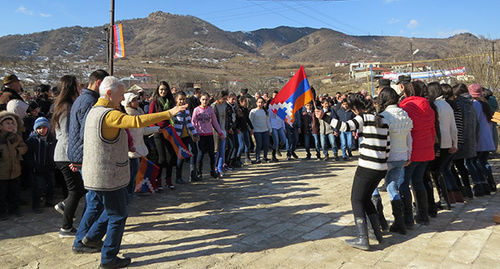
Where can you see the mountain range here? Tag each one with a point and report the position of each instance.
(168, 36)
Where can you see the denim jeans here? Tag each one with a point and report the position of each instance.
(189, 143)
(279, 138)
(474, 171)
(346, 143)
(324, 144)
(292, 135)
(94, 220)
(484, 166)
(261, 143)
(394, 178)
(42, 184)
(134, 168)
(243, 142)
(445, 167)
(307, 142)
(220, 154)
(414, 173)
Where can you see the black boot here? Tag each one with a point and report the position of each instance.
(407, 209)
(374, 221)
(492, 183)
(399, 222)
(274, 159)
(194, 176)
(199, 168)
(361, 240)
(422, 207)
(377, 201)
(248, 159)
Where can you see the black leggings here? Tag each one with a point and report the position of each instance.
(365, 182)
(76, 191)
(206, 145)
(166, 155)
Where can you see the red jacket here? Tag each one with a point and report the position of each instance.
(424, 131)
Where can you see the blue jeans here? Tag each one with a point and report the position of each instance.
(279, 136)
(307, 143)
(134, 168)
(474, 171)
(414, 173)
(93, 223)
(394, 178)
(244, 142)
(292, 135)
(189, 143)
(484, 166)
(220, 154)
(346, 143)
(331, 138)
(115, 204)
(445, 168)
(261, 142)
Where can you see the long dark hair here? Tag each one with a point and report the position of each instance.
(157, 96)
(68, 92)
(359, 102)
(388, 96)
(485, 106)
(460, 89)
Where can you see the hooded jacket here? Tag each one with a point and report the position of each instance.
(12, 147)
(400, 126)
(471, 127)
(424, 131)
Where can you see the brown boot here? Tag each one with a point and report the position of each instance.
(168, 182)
(458, 196)
(451, 197)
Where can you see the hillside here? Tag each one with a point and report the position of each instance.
(177, 38)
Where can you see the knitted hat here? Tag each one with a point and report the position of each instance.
(128, 98)
(475, 90)
(18, 107)
(41, 121)
(9, 79)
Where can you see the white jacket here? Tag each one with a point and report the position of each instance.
(447, 126)
(400, 126)
(137, 134)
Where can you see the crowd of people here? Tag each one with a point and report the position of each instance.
(427, 136)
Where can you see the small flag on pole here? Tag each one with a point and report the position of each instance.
(145, 180)
(119, 46)
(180, 149)
(294, 95)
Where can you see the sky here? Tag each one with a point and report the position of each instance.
(407, 18)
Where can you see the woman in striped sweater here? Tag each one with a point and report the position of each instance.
(374, 150)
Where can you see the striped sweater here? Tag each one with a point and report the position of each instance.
(374, 142)
(183, 126)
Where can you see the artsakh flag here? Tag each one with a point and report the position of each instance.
(180, 149)
(119, 46)
(145, 180)
(294, 95)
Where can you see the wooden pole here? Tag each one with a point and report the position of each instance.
(111, 38)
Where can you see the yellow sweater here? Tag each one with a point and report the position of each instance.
(116, 120)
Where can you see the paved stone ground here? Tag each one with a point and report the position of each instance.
(287, 215)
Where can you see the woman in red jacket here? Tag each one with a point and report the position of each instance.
(423, 134)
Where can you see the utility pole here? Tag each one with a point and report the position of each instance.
(111, 37)
(411, 51)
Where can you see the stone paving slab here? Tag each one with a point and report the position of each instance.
(292, 214)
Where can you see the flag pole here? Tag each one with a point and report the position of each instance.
(111, 37)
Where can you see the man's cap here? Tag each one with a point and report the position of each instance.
(10, 79)
(404, 79)
(383, 82)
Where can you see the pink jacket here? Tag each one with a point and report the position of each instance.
(203, 119)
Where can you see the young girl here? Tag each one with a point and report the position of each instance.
(220, 110)
(278, 133)
(262, 129)
(243, 125)
(203, 120)
(327, 133)
(374, 150)
(167, 158)
(186, 131)
(310, 130)
(131, 105)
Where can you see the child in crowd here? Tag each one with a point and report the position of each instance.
(203, 120)
(344, 114)
(189, 136)
(310, 129)
(327, 133)
(40, 158)
(12, 148)
(232, 110)
(244, 125)
(278, 134)
(262, 129)
(131, 106)
(220, 110)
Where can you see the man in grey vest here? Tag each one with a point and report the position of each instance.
(105, 166)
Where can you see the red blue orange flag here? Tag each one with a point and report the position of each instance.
(145, 180)
(180, 149)
(119, 46)
(292, 97)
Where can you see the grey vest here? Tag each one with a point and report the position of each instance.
(105, 164)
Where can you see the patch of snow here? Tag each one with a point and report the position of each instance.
(345, 44)
(195, 33)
